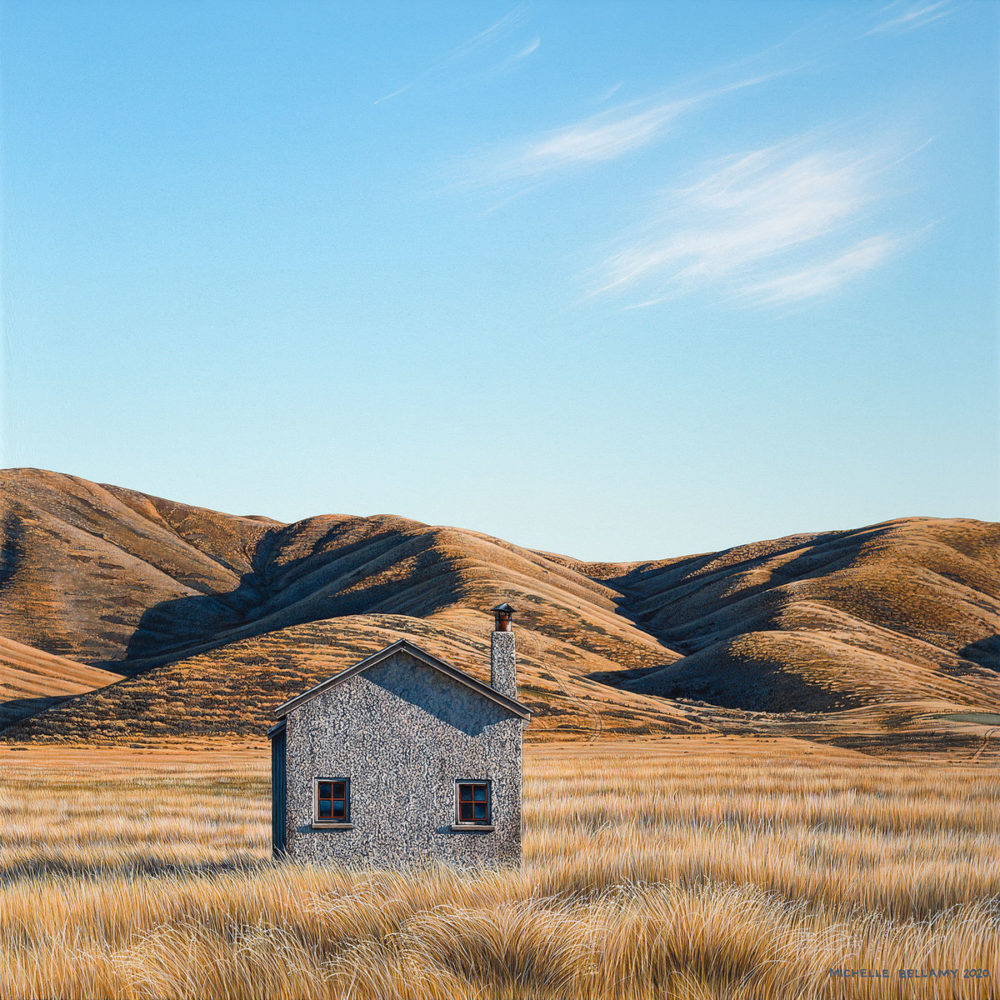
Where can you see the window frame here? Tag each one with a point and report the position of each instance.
(483, 826)
(330, 822)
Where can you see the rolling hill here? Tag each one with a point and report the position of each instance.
(828, 621)
(32, 680)
(208, 620)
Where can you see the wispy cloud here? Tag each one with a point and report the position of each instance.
(394, 93)
(510, 20)
(907, 16)
(500, 30)
(767, 226)
(777, 224)
(825, 276)
(528, 50)
(601, 137)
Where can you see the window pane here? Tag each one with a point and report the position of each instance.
(465, 812)
(480, 793)
(339, 810)
(465, 793)
(324, 789)
(338, 789)
(324, 809)
(480, 810)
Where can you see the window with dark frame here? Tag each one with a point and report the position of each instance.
(333, 800)
(474, 803)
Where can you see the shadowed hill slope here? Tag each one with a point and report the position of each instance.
(126, 581)
(237, 611)
(32, 680)
(234, 689)
(828, 621)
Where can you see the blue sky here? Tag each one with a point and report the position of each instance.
(618, 280)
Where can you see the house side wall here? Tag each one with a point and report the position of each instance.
(403, 733)
(278, 806)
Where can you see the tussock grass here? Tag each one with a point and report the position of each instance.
(648, 872)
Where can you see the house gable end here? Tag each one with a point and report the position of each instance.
(420, 656)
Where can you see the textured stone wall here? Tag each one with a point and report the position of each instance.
(403, 733)
(503, 664)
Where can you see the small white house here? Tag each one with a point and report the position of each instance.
(402, 759)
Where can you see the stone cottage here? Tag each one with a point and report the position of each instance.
(402, 759)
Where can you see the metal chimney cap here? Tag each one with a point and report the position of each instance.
(503, 618)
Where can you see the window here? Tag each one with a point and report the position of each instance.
(473, 803)
(333, 801)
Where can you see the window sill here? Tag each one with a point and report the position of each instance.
(321, 825)
(472, 827)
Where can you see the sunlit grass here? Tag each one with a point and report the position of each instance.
(649, 872)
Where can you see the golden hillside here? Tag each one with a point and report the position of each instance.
(215, 619)
(233, 689)
(125, 581)
(829, 621)
(32, 680)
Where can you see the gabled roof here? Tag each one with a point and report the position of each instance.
(428, 659)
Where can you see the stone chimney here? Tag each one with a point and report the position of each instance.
(503, 662)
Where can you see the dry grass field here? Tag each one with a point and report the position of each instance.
(688, 867)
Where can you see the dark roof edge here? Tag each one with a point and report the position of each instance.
(278, 727)
(427, 658)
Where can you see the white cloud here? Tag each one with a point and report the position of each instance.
(512, 20)
(912, 16)
(825, 276)
(394, 93)
(528, 49)
(601, 137)
(746, 224)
